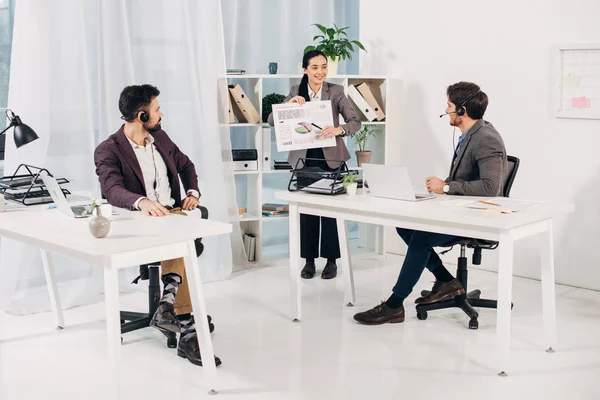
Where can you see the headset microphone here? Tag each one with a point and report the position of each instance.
(453, 112)
(460, 110)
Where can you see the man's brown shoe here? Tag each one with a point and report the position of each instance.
(381, 314)
(188, 348)
(164, 318)
(442, 291)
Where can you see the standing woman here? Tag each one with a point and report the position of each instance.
(314, 88)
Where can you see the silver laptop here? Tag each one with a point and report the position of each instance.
(391, 182)
(59, 198)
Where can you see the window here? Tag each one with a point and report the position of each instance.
(6, 27)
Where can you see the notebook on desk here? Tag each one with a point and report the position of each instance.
(391, 182)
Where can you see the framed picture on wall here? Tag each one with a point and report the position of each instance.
(578, 81)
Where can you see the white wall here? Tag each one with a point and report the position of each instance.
(506, 47)
(259, 31)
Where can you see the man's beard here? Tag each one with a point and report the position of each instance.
(154, 128)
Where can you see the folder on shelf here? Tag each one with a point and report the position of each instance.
(360, 103)
(266, 149)
(243, 108)
(231, 116)
(249, 246)
(372, 95)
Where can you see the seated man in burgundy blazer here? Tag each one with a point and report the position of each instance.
(139, 168)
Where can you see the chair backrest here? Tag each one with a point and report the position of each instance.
(513, 167)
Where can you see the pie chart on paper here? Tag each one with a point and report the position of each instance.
(304, 128)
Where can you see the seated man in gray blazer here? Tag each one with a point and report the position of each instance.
(478, 168)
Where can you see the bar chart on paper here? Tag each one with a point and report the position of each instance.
(579, 82)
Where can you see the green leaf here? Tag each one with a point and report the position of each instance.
(317, 37)
(321, 28)
(331, 33)
(349, 46)
(308, 48)
(359, 44)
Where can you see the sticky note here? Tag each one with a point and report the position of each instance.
(579, 102)
(573, 79)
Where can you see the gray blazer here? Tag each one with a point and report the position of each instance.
(480, 167)
(339, 105)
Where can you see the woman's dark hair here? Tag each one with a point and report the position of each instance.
(135, 98)
(309, 55)
(470, 96)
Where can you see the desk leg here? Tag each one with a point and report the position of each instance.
(59, 320)
(342, 228)
(296, 300)
(113, 324)
(503, 317)
(548, 288)
(192, 271)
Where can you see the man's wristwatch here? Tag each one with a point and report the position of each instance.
(343, 132)
(446, 188)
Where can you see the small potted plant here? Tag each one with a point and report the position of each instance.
(335, 44)
(267, 104)
(99, 225)
(350, 183)
(360, 138)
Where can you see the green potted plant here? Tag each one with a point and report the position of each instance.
(335, 44)
(350, 183)
(267, 104)
(360, 138)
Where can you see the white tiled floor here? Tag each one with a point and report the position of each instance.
(326, 356)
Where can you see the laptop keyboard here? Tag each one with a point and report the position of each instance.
(78, 210)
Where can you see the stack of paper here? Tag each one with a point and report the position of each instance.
(502, 205)
(326, 185)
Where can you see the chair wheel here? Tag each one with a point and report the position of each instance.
(473, 324)
(172, 341)
(422, 315)
(211, 327)
(511, 306)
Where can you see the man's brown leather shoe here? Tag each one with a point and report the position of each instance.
(330, 270)
(188, 348)
(381, 314)
(164, 318)
(442, 291)
(308, 272)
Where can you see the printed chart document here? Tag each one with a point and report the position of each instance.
(298, 126)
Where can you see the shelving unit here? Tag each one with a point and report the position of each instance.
(255, 188)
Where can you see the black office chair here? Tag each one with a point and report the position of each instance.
(132, 321)
(469, 300)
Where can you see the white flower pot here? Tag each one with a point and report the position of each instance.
(351, 189)
(332, 66)
(99, 225)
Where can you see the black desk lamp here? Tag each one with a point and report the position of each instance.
(23, 133)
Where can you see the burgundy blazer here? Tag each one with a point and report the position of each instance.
(120, 175)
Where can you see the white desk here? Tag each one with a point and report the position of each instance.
(134, 239)
(438, 215)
